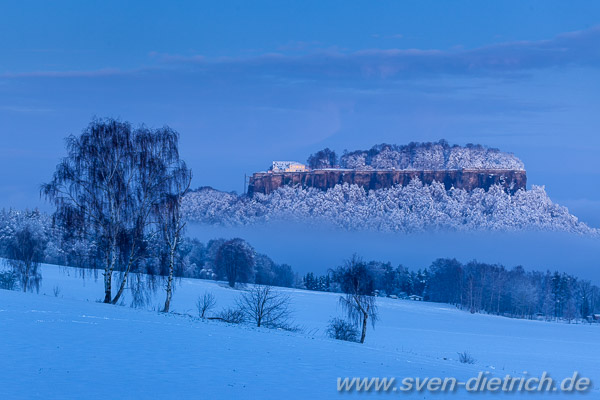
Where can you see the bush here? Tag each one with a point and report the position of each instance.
(205, 303)
(265, 307)
(8, 280)
(465, 358)
(342, 330)
(231, 315)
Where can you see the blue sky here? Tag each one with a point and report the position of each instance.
(247, 82)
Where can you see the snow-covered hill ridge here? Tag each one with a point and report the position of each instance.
(411, 208)
(65, 346)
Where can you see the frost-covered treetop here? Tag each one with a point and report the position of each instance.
(430, 156)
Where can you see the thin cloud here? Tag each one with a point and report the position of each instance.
(578, 48)
(23, 109)
(65, 74)
(570, 49)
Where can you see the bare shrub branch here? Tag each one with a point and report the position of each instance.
(465, 358)
(342, 330)
(265, 307)
(206, 303)
(230, 315)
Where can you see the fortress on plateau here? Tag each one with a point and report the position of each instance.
(383, 166)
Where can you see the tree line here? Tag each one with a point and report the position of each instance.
(494, 289)
(480, 288)
(29, 238)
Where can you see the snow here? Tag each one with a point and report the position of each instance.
(71, 346)
(430, 156)
(411, 208)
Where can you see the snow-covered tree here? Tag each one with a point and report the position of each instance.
(429, 156)
(411, 208)
(325, 158)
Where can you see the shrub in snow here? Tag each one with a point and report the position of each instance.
(8, 280)
(206, 303)
(342, 330)
(265, 306)
(231, 315)
(465, 358)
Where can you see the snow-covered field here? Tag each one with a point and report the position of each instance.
(71, 346)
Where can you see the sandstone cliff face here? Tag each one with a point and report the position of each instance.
(511, 180)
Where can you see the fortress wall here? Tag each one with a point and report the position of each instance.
(511, 180)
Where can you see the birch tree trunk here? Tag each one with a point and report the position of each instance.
(26, 277)
(364, 327)
(170, 280)
(125, 275)
(108, 273)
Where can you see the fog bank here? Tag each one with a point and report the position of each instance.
(315, 249)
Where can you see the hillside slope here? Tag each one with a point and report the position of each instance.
(68, 346)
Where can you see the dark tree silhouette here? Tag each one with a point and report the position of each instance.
(325, 158)
(235, 261)
(284, 275)
(26, 251)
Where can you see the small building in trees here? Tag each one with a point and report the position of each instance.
(288, 166)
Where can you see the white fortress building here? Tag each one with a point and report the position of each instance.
(288, 166)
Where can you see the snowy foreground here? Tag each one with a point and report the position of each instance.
(71, 347)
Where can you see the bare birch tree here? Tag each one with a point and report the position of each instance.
(107, 188)
(171, 220)
(359, 303)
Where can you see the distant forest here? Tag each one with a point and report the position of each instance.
(482, 288)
